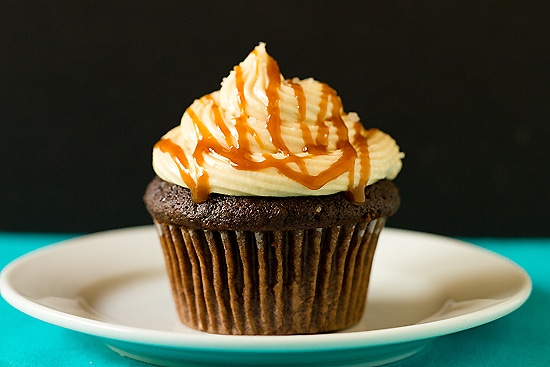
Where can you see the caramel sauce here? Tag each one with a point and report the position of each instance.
(219, 121)
(199, 186)
(357, 193)
(300, 101)
(240, 156)
(301, 108)
(241, 122)
(273, 122)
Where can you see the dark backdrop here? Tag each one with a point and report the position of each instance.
(87, 87)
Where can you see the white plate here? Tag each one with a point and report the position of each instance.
(113, 285)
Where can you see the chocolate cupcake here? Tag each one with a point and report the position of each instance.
(268, 201)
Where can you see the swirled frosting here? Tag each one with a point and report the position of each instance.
(264, 135)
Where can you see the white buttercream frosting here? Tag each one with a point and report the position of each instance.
(263, 135)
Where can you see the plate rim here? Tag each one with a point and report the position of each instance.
(334, 341)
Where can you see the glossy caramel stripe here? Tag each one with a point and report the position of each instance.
(219, 121)
(179, 157)
(321, 139)
(300, 102)
(301, 105)
(273, 122)
(357, 192)
(241, 123)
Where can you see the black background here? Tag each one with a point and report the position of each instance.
(87, 87)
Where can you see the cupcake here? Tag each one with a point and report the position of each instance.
(268, 201)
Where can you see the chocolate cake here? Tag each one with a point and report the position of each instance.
(170, 203)
(261, 265)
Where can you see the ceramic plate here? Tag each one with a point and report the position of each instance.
(112, 285)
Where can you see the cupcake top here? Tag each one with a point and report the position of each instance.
(264, 135)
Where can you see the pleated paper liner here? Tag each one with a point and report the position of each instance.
(273, 282)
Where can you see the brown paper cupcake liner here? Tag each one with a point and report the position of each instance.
(273, 282)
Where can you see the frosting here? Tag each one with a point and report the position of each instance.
(264, 135)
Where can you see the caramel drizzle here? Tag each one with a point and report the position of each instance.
(239, 154)
(357, 193)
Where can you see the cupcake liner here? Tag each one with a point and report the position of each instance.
(273, 282)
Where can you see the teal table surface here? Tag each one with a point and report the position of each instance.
(521, 338)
